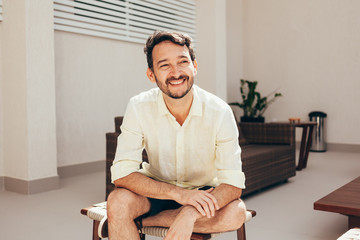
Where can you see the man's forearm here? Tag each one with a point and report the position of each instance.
(205, 202)
(145, 186)
(225, 193)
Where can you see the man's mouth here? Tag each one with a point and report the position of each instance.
(177, 81)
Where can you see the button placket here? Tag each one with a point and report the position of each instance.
(180, 154)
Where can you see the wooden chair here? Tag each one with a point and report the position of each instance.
(97, 212)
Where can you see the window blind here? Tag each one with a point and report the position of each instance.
(128, 20)
(1, 10)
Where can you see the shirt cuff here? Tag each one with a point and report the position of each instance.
(232, 177)
(123, 168)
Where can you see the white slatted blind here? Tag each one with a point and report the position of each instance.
(1, 10)
(128, 20)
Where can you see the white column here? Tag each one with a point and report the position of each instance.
(28, 96)
(220, 48)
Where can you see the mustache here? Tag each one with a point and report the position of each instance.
(183, 76)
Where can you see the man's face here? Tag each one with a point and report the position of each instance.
(174, 71)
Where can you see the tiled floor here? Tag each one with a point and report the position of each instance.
(283, 212)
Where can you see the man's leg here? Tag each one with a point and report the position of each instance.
(123, 206)
(229, 218)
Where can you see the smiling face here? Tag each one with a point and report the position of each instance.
(173, 70)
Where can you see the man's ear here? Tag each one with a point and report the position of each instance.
(195, 66)
(150, 74)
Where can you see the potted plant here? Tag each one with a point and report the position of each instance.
(253, 104)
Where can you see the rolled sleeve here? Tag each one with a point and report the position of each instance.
(130, 146)
(228, 161)
(123, 168)
(232, 177)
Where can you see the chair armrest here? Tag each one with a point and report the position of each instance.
(268, 133)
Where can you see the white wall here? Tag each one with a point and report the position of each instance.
(95, 78)
(205, 44)
(234, 51)
(311, 51)
(1, 110)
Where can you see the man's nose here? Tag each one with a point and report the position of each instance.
(175, 71)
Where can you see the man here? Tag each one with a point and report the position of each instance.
(193, 181)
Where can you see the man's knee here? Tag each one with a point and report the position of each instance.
(121, 202)
(234, 215)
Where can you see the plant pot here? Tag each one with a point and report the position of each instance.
(252, 119)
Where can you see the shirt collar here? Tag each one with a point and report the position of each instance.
(196, 106)
(161, 104)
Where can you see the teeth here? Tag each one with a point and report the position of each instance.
(177, 82)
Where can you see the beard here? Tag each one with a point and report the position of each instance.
(189, 81)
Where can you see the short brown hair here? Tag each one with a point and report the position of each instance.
(160, 36)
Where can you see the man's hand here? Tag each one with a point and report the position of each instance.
(183, 226)
(203, 201)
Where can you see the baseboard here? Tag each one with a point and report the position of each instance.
(339, 147)
(80, 169)
(51, 183)
(31, 187)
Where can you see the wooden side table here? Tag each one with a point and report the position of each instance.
(308, 129)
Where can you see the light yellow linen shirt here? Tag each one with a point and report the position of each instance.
(203, 151)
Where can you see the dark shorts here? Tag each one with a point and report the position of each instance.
(159, 205)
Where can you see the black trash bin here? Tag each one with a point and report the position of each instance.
(318, 143)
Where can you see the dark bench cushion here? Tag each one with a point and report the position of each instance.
(264, 165)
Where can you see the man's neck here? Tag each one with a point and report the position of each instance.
(179, 108)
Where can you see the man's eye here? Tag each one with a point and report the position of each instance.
(164, 66)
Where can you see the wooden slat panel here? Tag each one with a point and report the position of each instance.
(166, 17)
(162, 6)
(97, 10)
(1, 10)
(128, 20)
(188, 3)
(89, 26)
(97, 34)
(131, 30)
